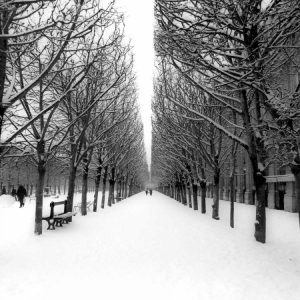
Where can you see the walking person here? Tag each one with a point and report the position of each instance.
(21, 194)
(146, 191)
(3, 191)
(150, 191)
(14, 194)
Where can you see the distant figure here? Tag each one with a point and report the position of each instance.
(14, 194)
(150, 192)
(146, 191)
(4, 190)
(21, 194)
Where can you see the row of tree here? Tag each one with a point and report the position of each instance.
(68, 95)
(222, 89)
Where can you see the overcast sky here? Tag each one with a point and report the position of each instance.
(139, 20)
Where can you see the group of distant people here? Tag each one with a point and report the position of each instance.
(19, 194)
(148, 191)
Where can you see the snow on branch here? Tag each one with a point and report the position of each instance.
(211, 121)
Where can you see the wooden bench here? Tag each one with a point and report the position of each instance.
(89, 204)
(58, 219)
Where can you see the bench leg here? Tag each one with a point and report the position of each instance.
(58, 223)
(51, 223)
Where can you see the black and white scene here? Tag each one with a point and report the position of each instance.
(150, 150)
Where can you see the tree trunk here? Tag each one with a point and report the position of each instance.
(118, 190)
(112, 191)
(59, 185)
(55, 185)
(38, 227)
(259, 182)
(295, 167)
(71, 187)
(195, 196)
(4, 18)
(84, 189)
(104, 186)
(72, 166)
(203, 196)
(65, 185)
(123, 188)
(297, 186)
(126, 188)
(2, 112)
(111, 198)
(130, 188)
(260, 223)
(231, 184)
(190, 196)
(183, 193)
(256, 154)
(231, 181)
(97, 184)
(178, 194)
(215, 211)
(172, 191)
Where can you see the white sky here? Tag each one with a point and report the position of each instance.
(139, 21)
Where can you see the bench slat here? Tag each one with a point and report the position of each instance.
(66, 215)
(58, 203)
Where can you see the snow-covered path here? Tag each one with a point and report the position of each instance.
(150, 248)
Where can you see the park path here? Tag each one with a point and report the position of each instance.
(149, 247)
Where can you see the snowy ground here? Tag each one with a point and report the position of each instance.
(149, 248)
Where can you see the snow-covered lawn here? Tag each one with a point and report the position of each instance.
(149, 248)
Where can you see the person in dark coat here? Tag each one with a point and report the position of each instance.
(21, 194)
(150, 192)
(14, 194)
(4, 190)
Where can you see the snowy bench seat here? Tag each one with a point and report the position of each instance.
(63, 218)
(58, 219)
